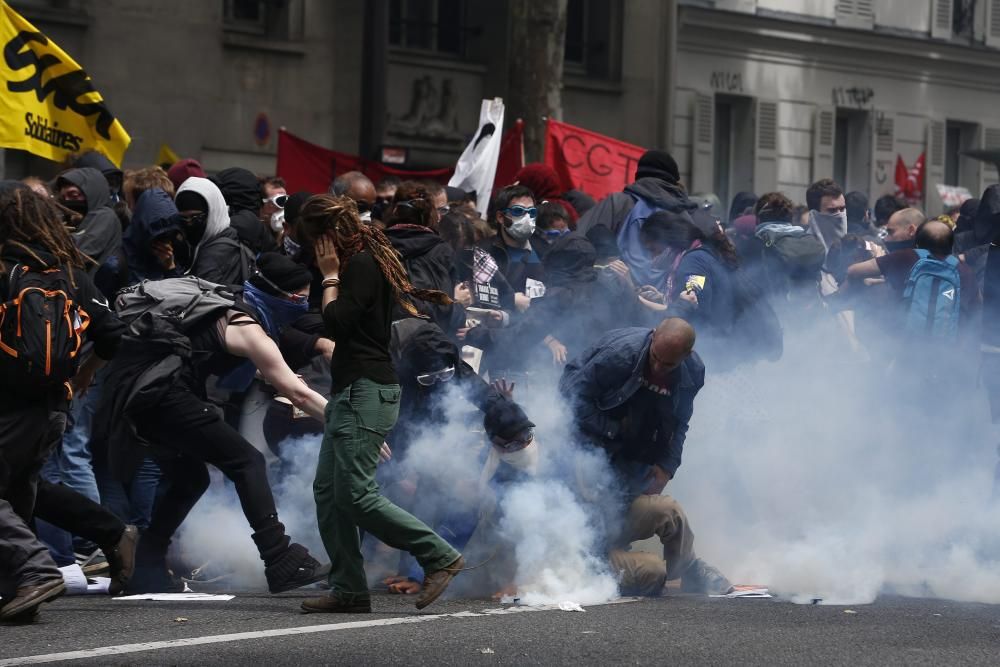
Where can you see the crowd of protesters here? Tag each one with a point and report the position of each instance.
(149, 314)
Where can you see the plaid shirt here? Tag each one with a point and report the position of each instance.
(484, 267)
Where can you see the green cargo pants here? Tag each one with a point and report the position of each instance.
(347, 496)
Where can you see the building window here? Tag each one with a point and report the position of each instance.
(963, 18)
(270, 19)
(428, 25)
(733, 148)
(593, 38)
(959, 169)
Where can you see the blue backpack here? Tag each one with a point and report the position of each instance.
(932, 297)
(632, 251)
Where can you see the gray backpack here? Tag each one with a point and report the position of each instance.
(186, 301)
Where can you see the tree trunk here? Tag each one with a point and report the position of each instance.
(537, 40)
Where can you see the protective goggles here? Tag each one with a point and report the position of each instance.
(193, 219)
(428, 379)
(518, 211)
(516, 444)
(277, 200)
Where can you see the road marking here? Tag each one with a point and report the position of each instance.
(264, 634)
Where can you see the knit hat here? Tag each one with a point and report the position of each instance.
(294, 205)
(658, 164)
(183, 170)
(279, 272)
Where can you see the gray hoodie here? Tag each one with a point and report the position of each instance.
(99, 235)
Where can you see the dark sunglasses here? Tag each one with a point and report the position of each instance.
(195, 219)
(518, 211)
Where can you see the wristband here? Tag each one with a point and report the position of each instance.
(331, 282)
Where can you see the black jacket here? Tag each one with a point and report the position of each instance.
(614, 209)
(428, 260)
(223, 259)
(99, 234)
(244, 196)
(516, 273)
(418, 347)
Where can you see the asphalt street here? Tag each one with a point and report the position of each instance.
(678, 629)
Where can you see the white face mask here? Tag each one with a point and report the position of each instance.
(525, 460)
(366, 217)
(521, 229)
(277, 220)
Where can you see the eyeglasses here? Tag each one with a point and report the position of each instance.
(193, 219)
(428, 379)
(518, 211)
(277, 200)
(515, 444)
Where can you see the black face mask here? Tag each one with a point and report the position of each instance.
(194, 228)
(75, 205)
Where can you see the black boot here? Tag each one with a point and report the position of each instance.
(287, 566)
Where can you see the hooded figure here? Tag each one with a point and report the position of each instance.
(101, 163)
(99, 234)
(242, 192)
(422, 354)
(218, 255)
(742, 202)
(544, 183)
(428, 260)
(656, 188)
(155, 218)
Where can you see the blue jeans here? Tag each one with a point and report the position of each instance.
(132, 502)
(73, 458)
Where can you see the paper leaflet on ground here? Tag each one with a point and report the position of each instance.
(77, 582)
(746, 591)
(178, 597)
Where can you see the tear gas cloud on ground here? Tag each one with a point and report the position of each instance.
(820, 476)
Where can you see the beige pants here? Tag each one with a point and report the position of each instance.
(642, 573)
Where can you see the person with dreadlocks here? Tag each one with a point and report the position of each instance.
(36, 253)
(363, 279)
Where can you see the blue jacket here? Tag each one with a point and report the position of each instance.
(608, 374)
(716, 311)
(155, 215)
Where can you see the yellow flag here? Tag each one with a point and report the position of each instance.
(48, 104)
(167, 155)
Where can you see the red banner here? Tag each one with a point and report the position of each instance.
(511, 156)
(306, 166)
(587, 161)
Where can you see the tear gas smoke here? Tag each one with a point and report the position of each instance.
(823, 476)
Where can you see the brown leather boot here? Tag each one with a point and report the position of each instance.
(436, 582)
(28, 599)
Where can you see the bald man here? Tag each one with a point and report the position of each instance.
(632, 394)
(358, 187)
(936, 238)
(901, 230)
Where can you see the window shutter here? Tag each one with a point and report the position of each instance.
(743, 6)
(935, 166)
(855, 13)
(883, 165)
(941, 18)
(765, 172)
(703, 144)
(988, 172)
(993, 23)
(824, 127)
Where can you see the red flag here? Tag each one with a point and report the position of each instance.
(910, 180)
(588, 161)
(511, 155)
(306, 166)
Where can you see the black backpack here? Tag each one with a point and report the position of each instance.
(802, 255)
(41, 331)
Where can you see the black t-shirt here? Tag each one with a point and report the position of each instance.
(360, 323)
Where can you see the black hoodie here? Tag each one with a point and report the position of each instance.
(418, 347)
(986, 229)
(428, 260)
(244, 196)
(614, 209)
(99, 235)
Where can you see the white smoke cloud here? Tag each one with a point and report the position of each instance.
(823, 476)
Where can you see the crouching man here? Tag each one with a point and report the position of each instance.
(632, 394)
